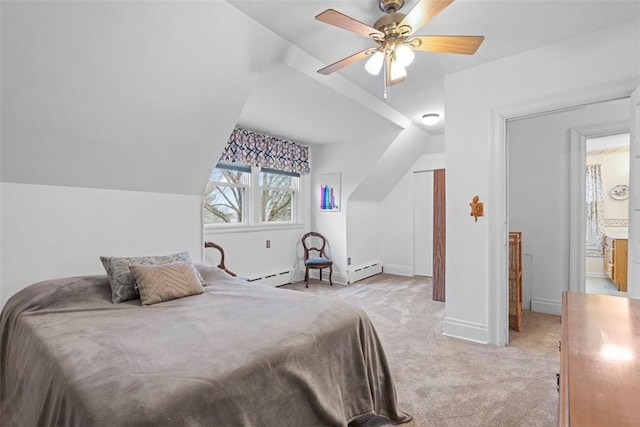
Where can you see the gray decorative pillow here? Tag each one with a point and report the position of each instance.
(159, 283)
(123, 285)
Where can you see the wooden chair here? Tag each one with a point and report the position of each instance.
(221, 265)
(319, 262)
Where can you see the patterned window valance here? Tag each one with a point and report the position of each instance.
(253, 148)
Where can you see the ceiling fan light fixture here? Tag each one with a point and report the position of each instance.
(396, 43)
(397, 71)
(374, 63)
(404, 55)
(431, 119)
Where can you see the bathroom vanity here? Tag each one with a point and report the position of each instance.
(615, 258)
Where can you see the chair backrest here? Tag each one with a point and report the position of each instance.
(221, 265)
(311, 238)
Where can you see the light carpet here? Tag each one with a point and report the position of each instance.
(443, 381)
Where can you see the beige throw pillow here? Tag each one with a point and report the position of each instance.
(123, 285)
(158, 283)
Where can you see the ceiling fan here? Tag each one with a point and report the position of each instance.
(393, 34)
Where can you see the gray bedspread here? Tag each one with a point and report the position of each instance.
(240, 354)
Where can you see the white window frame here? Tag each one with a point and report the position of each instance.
(294, 190)
(252, 212)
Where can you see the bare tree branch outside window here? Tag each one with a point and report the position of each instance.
(225, 203)
(227, 193)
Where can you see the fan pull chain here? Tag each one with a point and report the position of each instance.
(384, 78)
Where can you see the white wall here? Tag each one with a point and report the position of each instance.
(396, 210)
(363, 233)
(353, 163)
(246, 253)
(118, 96)
(476, 251)
(538, 150)
(51, 231)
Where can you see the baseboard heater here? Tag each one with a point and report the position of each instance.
(274, 279)
(365, 271)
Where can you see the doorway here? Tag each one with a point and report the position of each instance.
(540, 193)
(423, 223)
(607, 202)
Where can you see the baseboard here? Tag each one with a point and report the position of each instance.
(470, 331)
(278, 277)
(298, 276)
(398, 270)
(363, 271)
(546, 306)
(339, 278)
(597, 275)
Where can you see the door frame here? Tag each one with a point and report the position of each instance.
(498, 224)
(633, 255)
(577, 203)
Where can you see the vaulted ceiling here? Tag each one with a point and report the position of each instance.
(509, 27)
(143, 95)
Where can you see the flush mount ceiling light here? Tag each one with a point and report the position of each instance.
(431, 119)
(396, 43)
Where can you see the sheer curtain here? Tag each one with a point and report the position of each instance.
(595, 210)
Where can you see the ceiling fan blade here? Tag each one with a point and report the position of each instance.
(346, 61)
(423, 11)
(466, 45)
(333, 17)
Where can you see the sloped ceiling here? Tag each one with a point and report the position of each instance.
(288, 104)
(143, 95)
(509, 27)
(121, 95)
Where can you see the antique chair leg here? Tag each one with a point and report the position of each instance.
(330, 274)
(321, 274)
(306, 276)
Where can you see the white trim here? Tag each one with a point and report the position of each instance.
(462, 329)
(633, 255)
(498, 314)
(364, 271)
(336, 278)
(398, 270)
(276, 277)
(597, 275)
(297, 276)
(546, 306)
(578, 223)
(243, 228)
(498, 309)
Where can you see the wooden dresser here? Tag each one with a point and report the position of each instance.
(615, 260)
(599, 361)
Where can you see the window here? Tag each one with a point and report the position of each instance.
(278, 195)
(244, 194)
(225, 195)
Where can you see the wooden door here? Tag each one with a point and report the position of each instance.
(439, 234)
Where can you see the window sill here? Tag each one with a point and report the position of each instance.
(244, 228)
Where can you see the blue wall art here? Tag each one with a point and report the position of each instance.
(329, 192)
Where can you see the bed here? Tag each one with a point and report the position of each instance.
(238, 354)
